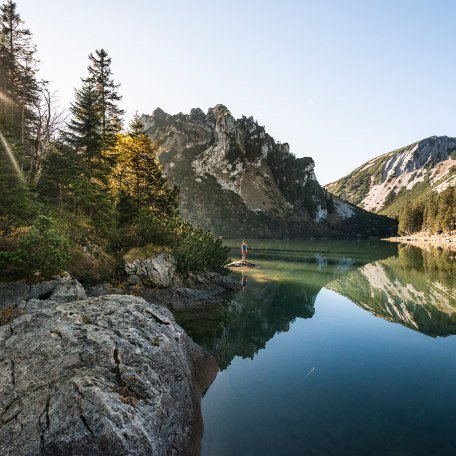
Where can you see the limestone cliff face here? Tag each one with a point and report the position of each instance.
(381, 183)
(238, 181)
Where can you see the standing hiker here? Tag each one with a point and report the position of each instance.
(244, 250)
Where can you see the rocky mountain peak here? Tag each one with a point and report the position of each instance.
(426, 165)
(233, 175)
(197, 115)
(427, 152)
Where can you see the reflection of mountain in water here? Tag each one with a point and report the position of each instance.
(417, 289)
(283, 289)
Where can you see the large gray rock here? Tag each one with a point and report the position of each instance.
(194, 291)
(109, 375)
(103, 289)
(13, 293)
(67, 291)
(157, 270)
(43, 290)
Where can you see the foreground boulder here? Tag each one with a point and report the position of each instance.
(109, 375)
(157, 270)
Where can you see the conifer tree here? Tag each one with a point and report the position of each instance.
(100, 76)
(18, 68)
(138, 180)
(84, 129)
(96, 116)
(18, 94)
(136, 127)
(95, 122)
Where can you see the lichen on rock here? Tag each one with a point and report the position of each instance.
(108, 375)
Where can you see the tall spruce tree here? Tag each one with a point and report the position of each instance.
(84, 129)
(136, 127)
(100, 75)
(96, 119)
(18, 96)
(18, 81)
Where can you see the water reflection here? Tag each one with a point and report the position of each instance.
(243, 280)
(332, 379)
(416, 288)
(283, 288)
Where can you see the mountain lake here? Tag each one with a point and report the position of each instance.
(333, 348)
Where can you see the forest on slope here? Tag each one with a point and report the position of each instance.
(415, 184)
(78, 191)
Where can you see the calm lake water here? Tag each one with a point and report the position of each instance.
(333, 348)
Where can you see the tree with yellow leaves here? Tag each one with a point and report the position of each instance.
(137, 179)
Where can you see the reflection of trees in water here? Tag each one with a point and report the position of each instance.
(275, 296)
(416, 289)
(438, 264)
(247, 321)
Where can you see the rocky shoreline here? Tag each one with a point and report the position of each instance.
(100, 371)
(425, 240)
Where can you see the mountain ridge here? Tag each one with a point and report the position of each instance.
(236, 178)
(386, 182)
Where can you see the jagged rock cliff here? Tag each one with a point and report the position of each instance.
(400, 176)
(238, 181)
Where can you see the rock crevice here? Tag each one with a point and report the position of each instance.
(107, 375)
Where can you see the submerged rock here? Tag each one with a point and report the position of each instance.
(103, 289)
(186, 298)
(109, 375)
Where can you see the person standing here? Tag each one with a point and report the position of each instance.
(244, 250)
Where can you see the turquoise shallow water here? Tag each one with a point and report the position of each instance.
(333, 348)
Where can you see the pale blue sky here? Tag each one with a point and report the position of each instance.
(341, 81)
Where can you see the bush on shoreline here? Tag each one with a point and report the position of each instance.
(42, 251)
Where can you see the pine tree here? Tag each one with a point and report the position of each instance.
(100, 75)
(138, 180)
(136, 127)
(18, 95)
(84, 129)
(95, 122)
(59, 183)
(96, 116)
(18, 82)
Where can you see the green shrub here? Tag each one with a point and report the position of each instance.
(198, 250)
(42, 251)
(91, 266)
(193, 248)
